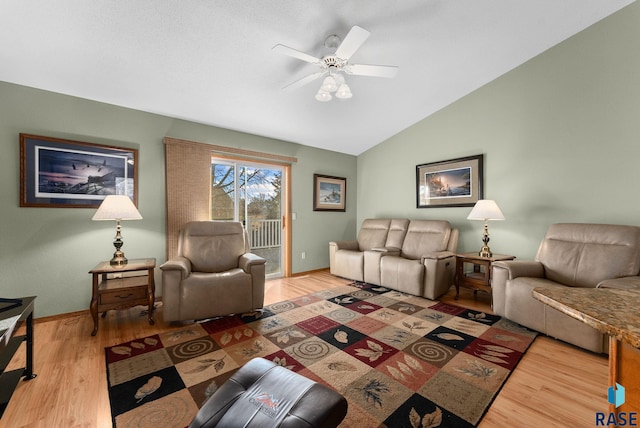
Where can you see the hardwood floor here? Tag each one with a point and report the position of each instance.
(555, 384)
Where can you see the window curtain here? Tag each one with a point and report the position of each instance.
(188, 178)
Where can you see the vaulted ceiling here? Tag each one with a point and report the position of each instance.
(212, 62)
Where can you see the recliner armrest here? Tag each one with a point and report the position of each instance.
(345, 245)
(248, 260)
(624, 283)
(180, 263)
(439, 255)
(519, 268)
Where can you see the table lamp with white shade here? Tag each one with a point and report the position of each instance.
(485, 209)
(117, 207)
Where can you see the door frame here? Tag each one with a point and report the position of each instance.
(286, 203)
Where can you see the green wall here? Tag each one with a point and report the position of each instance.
(48, 251)
(560, 135)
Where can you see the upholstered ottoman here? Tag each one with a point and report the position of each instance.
(264, 394)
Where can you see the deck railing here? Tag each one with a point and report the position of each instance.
(264, 233)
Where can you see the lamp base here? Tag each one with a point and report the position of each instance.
(485, 252)
(118, 259)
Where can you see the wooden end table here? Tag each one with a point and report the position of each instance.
(479, 278)
(118, 287)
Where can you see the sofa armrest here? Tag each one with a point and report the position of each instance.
(387, 251)
(248, 260)
(181, 264)
(438, 255)
(518, 268)
(625, 283)
(344, 245)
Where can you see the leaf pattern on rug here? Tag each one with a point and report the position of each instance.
(478, 370)
(433, 316)
(121, 350)
(366, 307)
(415, 325)
(213, 387)
(494, 353)
(506, 338)
(384, 314)
(340, 366)
(482, 317)
(429, 420)
(398, 336)
(374, 352)
(283, 336)
(228, 337)
(252, 351)
(341, 336)
(320, 307)
(177, 335)
(449, 336)
(150, 387)
(373, 391)
(405, 307)
(283, 362)
(339, 301)
(151, 341)
(206, 363)
(405, 368)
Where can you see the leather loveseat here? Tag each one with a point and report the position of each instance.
(412, 256)
(571, 255)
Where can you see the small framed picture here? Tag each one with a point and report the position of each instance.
(329, 193)
(450, 183)
(71, 174)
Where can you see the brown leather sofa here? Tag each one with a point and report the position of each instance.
(264, 394)
(214, 273)
(571, 255)
(412, 256)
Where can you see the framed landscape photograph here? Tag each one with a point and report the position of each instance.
(329, 193)
(72, 174)
(450, 183)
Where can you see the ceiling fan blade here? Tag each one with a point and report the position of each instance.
(286, 50)
(352, 42)
(301, 82)
(388, 71)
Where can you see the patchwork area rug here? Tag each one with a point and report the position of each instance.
(400, 360)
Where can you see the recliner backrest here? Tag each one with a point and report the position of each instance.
(373, 233)
(424, 237)
(213, 246)
(582, 254)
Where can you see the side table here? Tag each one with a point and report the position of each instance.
(479, 278)
(114, 287)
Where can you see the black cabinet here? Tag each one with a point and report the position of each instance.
(13, 312)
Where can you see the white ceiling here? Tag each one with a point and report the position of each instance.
(211, 61)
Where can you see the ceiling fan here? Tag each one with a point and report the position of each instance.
(333, 65)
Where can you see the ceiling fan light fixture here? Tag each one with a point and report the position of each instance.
(323, 96)
(344, 92)
(329, 84)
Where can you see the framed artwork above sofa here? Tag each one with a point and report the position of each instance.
(450, 183)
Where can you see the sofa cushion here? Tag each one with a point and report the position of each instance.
(373, 233)
(424, 237)
(582, 255)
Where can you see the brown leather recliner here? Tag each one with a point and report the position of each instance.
(571, 255)
(263, 394)
(214, 273)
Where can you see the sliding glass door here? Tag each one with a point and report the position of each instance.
(253, 194)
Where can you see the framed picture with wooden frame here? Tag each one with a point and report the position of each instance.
(450, 183)
(329, 193)
(61, 173)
